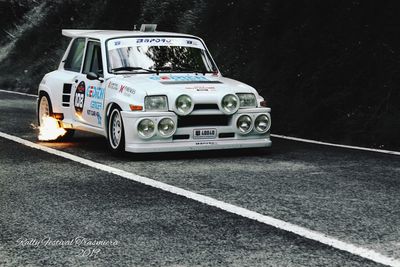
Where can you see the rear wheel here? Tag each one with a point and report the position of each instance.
(45, 110)
(116, 136)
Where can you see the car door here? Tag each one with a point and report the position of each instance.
(72, 67)
(89, 94)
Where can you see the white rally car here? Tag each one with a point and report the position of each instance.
(150, 91)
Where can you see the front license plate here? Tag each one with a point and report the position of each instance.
(209, 133)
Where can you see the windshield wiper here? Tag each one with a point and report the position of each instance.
(180, 69)
(164, 68)
(193, 71)
(130, 68)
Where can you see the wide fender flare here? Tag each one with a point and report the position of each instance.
(45, 89)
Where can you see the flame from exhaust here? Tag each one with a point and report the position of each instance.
(50, 129)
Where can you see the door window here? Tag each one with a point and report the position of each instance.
(74, 59)
(93, 62)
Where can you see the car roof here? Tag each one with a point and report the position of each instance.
(107, 34)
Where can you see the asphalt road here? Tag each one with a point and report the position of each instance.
(351, 195)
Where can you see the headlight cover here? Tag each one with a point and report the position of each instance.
(156, 103)
(262, 123)
(166, 127)
(184, 105)
(244, 124)
(230, 104)
(247, 100)
(146, 128)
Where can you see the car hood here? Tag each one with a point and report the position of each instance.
(197, 86)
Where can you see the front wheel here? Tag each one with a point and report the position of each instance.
(116, 136)
(44, 109)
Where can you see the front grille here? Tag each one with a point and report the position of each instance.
(226, 135)
(205, 106)
(180, 136)
(203, 120)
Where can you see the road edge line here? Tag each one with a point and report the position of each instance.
(17, 93)
(268, 220)
(391, 152)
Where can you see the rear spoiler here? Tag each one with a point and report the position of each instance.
(76, 33)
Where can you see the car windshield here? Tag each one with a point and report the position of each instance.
(158, 54)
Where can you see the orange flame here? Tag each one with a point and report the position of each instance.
(50, 129)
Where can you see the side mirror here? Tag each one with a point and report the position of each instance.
(93, 76)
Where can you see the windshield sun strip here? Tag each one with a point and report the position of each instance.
(152, 36)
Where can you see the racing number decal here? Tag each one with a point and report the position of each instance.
(79, 98)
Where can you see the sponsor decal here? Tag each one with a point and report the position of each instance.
(153, 40)
(95, 114)
(95, 92)
(79, 99)
(184, 78)
(205, 143)
(130, 90)
(96, 105)
(201, 88)
(204, 133)
(192, 43)
(112, 85)
(127, 90)
(98, 118)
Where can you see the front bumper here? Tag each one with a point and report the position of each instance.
(235, 140)
(197, 145)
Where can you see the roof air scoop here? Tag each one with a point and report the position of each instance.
(148, 27)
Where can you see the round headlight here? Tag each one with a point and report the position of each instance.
(146, 128)
(261, 124)
(166, 127)
(230, 104)
(243, 123)
(184, 104)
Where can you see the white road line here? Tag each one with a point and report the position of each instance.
(336, 145)
(298, 230)
(17, 93)
(281, 136)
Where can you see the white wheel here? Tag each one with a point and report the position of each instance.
(44, 109)
(116, 138)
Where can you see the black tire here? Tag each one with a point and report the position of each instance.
(115, 131)
(43, 97)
